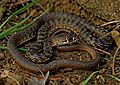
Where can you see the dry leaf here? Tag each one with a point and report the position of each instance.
(116, 36)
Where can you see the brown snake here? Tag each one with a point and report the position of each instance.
(78, 26)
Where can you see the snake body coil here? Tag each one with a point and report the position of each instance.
(59, 21)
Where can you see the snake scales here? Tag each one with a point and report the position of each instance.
(46, 25)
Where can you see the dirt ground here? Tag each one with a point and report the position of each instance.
(95, 11)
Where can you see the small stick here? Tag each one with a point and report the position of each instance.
(102, 51)
(113, 64)
(110, 22)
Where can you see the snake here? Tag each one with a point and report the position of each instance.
(47, 24)
(56, 38)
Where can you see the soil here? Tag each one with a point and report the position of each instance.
(13, 74)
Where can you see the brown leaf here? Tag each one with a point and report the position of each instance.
(116, 36)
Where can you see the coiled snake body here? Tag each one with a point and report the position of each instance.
(51, 22)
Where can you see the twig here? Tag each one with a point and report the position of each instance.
(40, 6)
(117, 27)
(45, 77)
(102, 51)
(113, 64)
(14, 80)
(110, 22)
